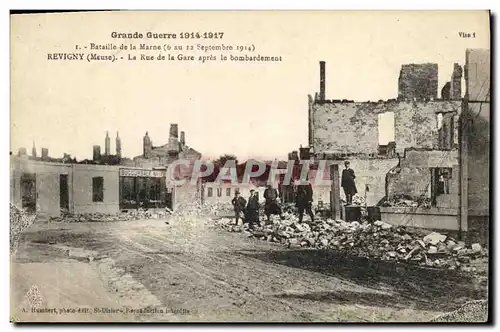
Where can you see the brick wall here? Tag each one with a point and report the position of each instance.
(345, 128)
(416, 123)
(371, 172)
(352, 127)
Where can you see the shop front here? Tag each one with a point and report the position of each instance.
(140, 188)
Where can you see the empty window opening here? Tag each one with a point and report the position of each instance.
(386, 134)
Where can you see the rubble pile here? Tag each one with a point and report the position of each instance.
(378, 240)
(139, 214)
(407, 201)
(20, 220)
(285, 207)
(196, 208)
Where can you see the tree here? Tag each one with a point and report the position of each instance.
(221, 161)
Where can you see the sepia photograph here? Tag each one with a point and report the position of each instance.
(250, 167)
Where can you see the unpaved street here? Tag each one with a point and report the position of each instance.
(201, 273)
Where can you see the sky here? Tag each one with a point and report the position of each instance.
(256, 110)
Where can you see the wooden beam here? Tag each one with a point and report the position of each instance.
(335, 192)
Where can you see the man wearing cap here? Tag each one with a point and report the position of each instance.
(238, 204)
(348, 182)
(272, 206)
(252, 212)
(304, 200)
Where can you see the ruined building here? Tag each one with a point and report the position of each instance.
(475, 146)
(425, 160)
(107, 145)
(118, 143)
(160, 156)
(342, 127)
(108, 158)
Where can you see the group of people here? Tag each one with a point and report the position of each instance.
(250, 209)
(303, 200)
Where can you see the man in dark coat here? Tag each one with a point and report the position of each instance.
(304, 200)
(271, 206)
(348, 182)
(239, 204)
(252, 211)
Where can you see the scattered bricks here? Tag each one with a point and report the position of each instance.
(407, 237)
(451, 244)
(464, 259)
(293, 242)
(476, 248)
(432, 250)
(434, 238)
(379, 240)
(386, 226)
(462, 252)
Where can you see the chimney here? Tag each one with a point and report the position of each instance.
(107, 147)
(33, 150)
(322, 80)
(45, 153)
(118, 144)
(97, 153)
(147, 146)
(174, 130)
(183, 138)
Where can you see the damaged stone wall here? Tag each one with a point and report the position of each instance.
(418, 81)
(352, 127)
(475, 141)
(412, 177)
(345, 128)
(416, 124)
(370, 172)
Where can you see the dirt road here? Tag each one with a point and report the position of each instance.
(190, 271)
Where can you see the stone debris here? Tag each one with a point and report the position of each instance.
(378, 240)
(139, 214)
(434, 238)
(20, 220)
(407, 201)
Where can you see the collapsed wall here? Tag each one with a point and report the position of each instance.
(353, 128)
(412, 177)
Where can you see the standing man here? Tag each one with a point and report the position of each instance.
(238, 204)
(348, 182)
(271, 207)
(304, 201)
(252, 212)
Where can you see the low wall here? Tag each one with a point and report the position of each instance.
(433, 218)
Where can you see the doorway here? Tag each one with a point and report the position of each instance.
(28, 191)
(63, 192)
(169, 198)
